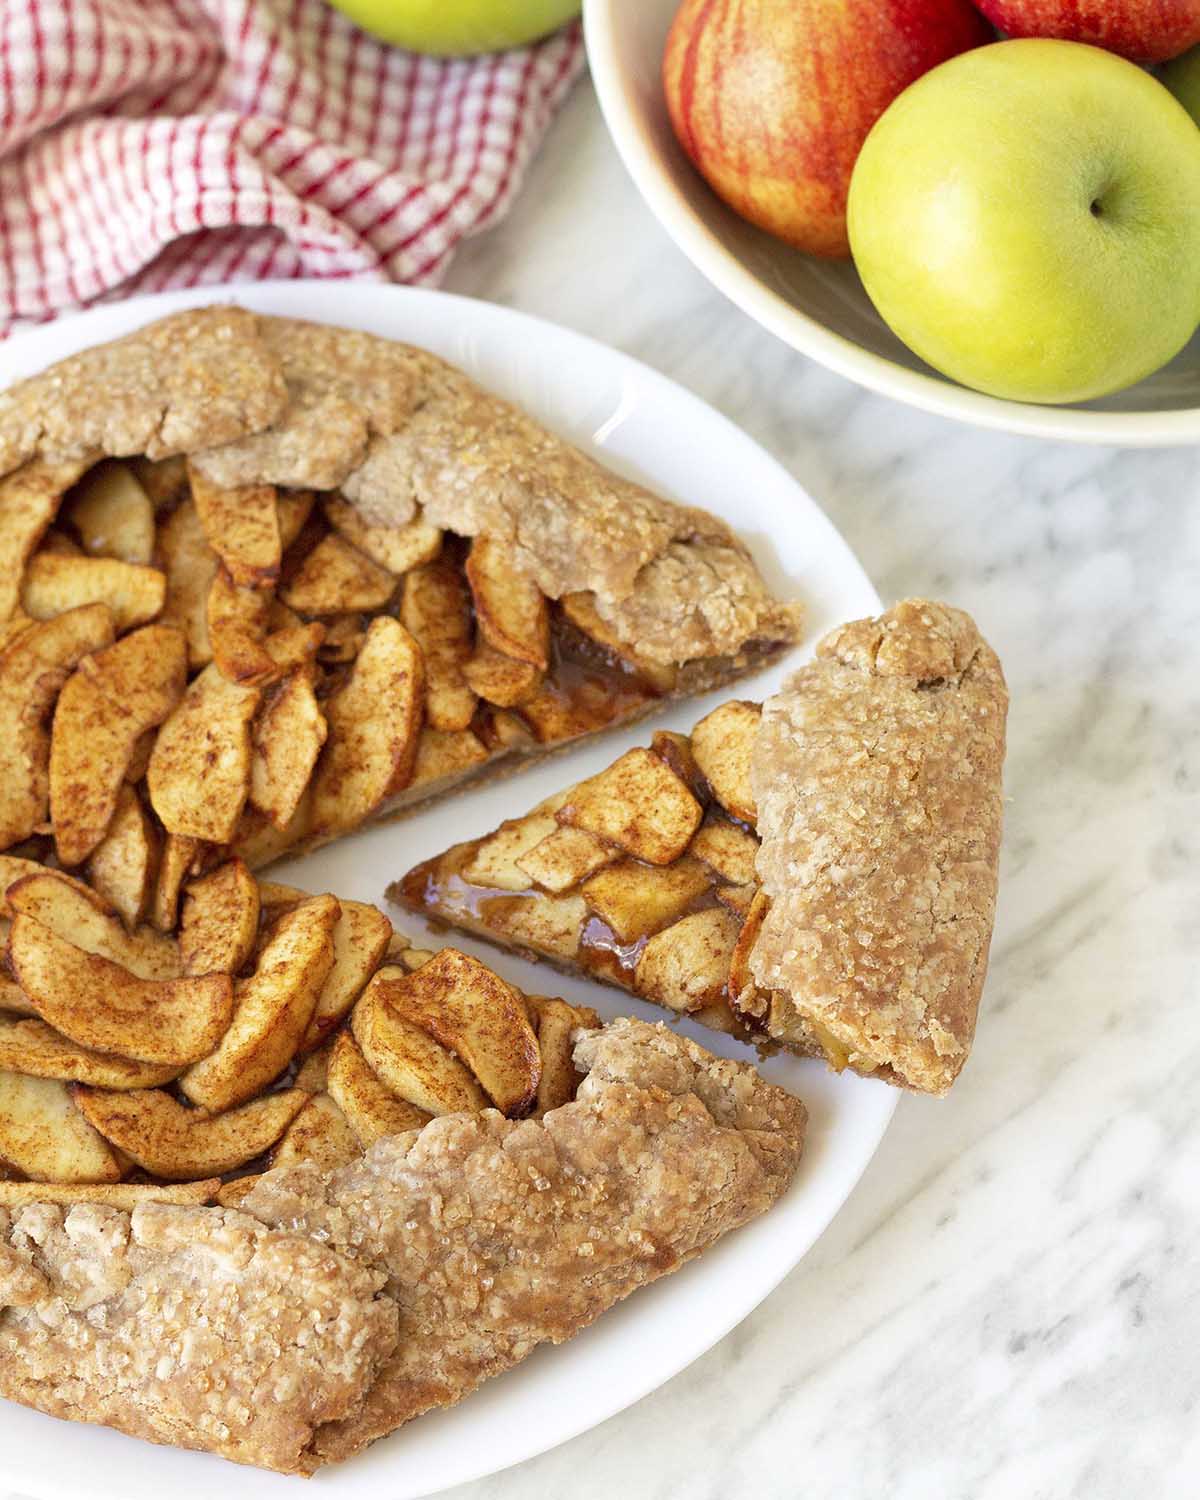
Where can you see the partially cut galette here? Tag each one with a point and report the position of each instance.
(818, 873)
(263, 581)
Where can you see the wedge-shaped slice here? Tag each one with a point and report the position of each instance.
(638, 803)
(241, 526)
(237, 627)
(335, 577)
(446, 756)
(371, 1109)
(498, 862)
(172, 1141)
(179, 853)
(744, 995)
(219, 923)
(33, 669)
(396, 548)
(407, 1061)
(565, 857)
(123, 866)
(288, 735)
(511, 610)
(122, 1195)
(686, 966)
(82, 916)
(581, 611)
(435, 608)
(374, 725)
(14, 867)
(112, 514)
(500, 679)
(29, 501)
(292, 509)
(106, 705)
(320, 1134)
(45, 1137)
(32, 1047)
(471, 1010)
(360, 940)
(272, 1009)
(728, 850)
(163, 479)
(722, 743)
(259, 842)
(344, 637)
(557, 1024)
(190, 565)
(103, 1006)
(55, 583)
(199, 773)
(635, 900)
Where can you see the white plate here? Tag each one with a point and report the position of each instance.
(652, 429)
(819, 306)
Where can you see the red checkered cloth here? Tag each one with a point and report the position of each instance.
(147, 144)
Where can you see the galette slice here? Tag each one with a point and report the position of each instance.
(817, 874)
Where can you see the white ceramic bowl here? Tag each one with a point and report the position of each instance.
(819, 307)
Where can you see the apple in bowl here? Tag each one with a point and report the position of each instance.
(1144, 30)
(772, 99)
(458, 28)
(1026, 218)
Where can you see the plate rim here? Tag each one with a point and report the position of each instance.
(931, 393)
(110, 320)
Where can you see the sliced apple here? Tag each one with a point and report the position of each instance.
(435, 608)
(190, 566)
(124, 864)
(548, 924)
(14, 867)
(320, 1134)
(272, 1009)
(635, 899)
(581, 611)
(408, 1062)
(396, 548)
(727, 849)
(30, 1046)
(556, 1023)
(497, 862)
(237, 627)
(344, 637)
(55, 582)
(105, 706)
(511, 610)
(112, 514)
(259, 842)
(744, 995)
(121, 1195)
(292, 510)
(565, 857)
(638, 803)
(102, 1005)
(371, 1109)
(500, 679)
(33, 669)
(241, 526)
(336, 577)
(45, 1137)
(288, 735)
(446, 756)
(172, 1141)
(374, 727)
(163, 479)
(468, 1008)
(723, 743)
(360, 940)
(83, 917)
(199, 773)
(219, 925)
(676, 751)
(178, 855)
(686, 966)
(29, 500)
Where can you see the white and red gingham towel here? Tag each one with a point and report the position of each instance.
(147, 144)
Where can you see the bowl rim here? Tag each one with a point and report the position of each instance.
(931, 393)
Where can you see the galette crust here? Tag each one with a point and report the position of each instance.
(877, 772)
(336, 1306)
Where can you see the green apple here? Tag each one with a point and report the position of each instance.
(1026, 217)
(457, 28)
(1182, 77)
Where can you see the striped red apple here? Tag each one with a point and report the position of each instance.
(772, 99)
(1142, 30)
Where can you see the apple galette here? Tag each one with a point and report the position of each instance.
(818, 873)
(284, 578)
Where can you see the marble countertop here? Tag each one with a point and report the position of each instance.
(1007, 1307)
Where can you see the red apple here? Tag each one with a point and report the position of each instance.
(1144, 30)
(772, 99)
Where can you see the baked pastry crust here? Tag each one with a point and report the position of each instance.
(831, 888)
(337, 1305)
